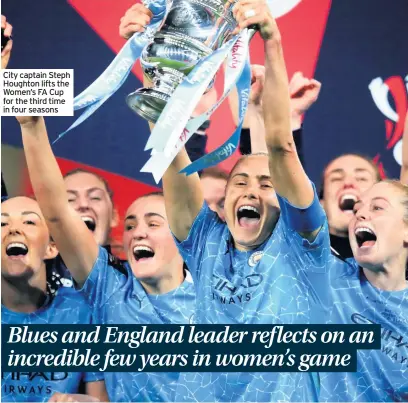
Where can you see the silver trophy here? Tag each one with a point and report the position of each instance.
(192, 30)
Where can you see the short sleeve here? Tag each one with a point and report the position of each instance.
(192, 248)
(103, 280)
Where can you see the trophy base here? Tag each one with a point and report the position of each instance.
(148, 103)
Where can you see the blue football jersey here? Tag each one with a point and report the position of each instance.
(119, 298)
(66, 307)
(281, 282)
(382, 375)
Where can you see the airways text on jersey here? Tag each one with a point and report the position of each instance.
(228, 293)
(394, 345)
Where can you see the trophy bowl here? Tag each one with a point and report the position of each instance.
(192, 30)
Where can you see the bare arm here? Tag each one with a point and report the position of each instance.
(234, 107)
(254, 113)
(95, 392)
(287, 174)
(303, 94)
(98, 390)
(257, 129)
(254, 116)
(74, 241)
(404, 165)
(183, 196)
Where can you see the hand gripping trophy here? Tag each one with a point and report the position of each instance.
(192, 30)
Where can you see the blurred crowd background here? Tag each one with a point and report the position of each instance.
(355, 49)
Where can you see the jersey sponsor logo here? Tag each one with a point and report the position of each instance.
(236, 299)
(394, 345)
(228, 293)
(29, 376)
(26, 390)
(20, 383)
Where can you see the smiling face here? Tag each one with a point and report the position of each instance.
(25, 240)
(378, 232)
(345, 179)
(251, 205)
(148, 243)
(88, 195)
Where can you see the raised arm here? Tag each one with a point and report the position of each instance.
(404, 165)
(74, 241)
(254, 116)
(183, 196)
(303, 94)
(287, 174)
(255, 110)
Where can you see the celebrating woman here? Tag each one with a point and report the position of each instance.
(26, 250)
(150, 288)
(267, 262)
(372, 289)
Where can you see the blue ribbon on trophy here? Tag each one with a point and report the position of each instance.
(185, 98)
(229, 146)
(183, 38)
(237, 71)
(116, 73)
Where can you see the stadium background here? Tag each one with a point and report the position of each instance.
(345, 44)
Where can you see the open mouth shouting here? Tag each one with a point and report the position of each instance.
(248, 217)
(143, 253)
(365, 237)
(16, 250)
(90, 222)
(347, 202)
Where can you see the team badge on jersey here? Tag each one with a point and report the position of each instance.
(255, 258)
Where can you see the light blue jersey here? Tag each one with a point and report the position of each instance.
(382, 375)
(66, 307)
(281, 282)
(119, 298)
